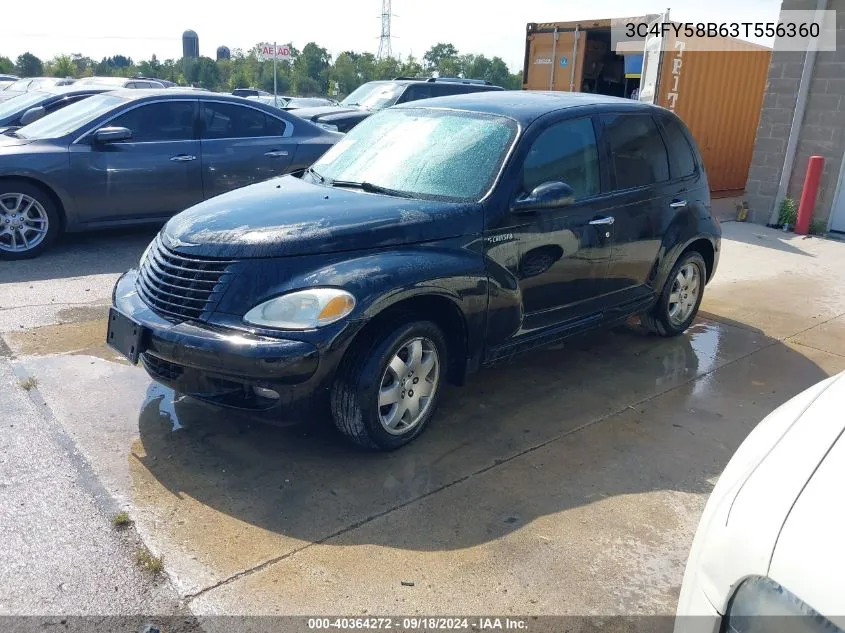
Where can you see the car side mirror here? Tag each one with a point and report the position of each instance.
(545, 196)
(32, 115)
(112, 134)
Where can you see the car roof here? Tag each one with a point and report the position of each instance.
(523, 105)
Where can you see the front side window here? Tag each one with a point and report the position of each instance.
(71, 118)
(565, 152)
(435, 154)
(228, 120)
(637, 151)
(163, 121)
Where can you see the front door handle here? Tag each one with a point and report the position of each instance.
(678, 204)
(276, 153)
(182, 158)
(603, 221)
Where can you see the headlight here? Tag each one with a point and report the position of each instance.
(303, 310)
(328, 126)
(760, 605)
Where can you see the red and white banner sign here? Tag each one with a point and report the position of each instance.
(279, 51)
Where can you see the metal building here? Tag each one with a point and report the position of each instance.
(223, 52)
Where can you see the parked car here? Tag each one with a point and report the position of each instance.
(7, 80)
(28, 107)
(33, 83)
(250, 92)
(163, 82)
(308, 102)
(136, 156)
(434, 239)
(377, 95)
(768, 554)
(278, 101)
(120, 82)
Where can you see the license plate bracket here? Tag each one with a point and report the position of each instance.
(124, 335)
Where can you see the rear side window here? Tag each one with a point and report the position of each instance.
(416, 92)
(228, 120)
(564, 152)
(681, 160)
(637, 151)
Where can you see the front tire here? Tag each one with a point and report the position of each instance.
(388, 387)
(29, 220)
(678, 304)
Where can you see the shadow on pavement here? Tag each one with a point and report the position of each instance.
(80, 254)
(309, 484)
(759, 235)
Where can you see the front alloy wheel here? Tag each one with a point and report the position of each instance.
(28, 220)
(408, 386)
(387, 387)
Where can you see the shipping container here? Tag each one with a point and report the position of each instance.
(718, 94)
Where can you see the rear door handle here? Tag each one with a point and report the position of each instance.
(603, 221)
(182, 158)
(276, 153)
(678, 204)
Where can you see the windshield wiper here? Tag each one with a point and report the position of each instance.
(12, 133)
(370, 188)
(314, 173)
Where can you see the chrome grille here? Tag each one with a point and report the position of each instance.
(176, 285)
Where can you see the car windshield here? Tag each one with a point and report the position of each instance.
(374, 95)
(18, 105)
(435, 154)
(68, 119)
(20, 85)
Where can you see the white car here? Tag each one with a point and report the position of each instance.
(771, 541)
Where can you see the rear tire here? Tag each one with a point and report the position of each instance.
(29, 220)
(388, 386)
(678, 304)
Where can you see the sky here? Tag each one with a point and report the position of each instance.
(101, 28)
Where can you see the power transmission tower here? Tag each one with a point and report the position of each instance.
(384, 49)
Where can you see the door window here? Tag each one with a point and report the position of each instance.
(681, 160)
(163, 121)
(637, 151)
(565, 152)
(227, 120)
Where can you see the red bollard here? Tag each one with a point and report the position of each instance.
(808, 194)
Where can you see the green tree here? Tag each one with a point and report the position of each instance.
(62, 66)
(387, 68)
(28, 65)
(411, 68)
(440, 54)
(6, 66)
(308, 87)
(84, 65)
(345, 73)
(312, 63)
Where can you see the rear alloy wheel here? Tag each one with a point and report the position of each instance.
(28, 221)
(677, 306)
(387, 389)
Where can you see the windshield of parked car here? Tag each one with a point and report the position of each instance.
(72, 117)
(19, 86)
(20, 104)
(435, 154)
(374, 95)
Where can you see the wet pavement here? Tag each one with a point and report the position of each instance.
(569, 481)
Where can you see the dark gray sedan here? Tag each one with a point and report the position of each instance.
(139, 156)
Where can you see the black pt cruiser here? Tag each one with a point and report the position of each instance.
(436, 238)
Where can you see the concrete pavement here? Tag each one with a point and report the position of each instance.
(567, 482)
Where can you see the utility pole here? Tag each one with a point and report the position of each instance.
(384, 43)
(275, 57)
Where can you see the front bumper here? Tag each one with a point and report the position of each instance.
(221, 365)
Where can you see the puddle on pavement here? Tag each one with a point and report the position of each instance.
(75, 337)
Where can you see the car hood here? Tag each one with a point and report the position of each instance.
(11, 143)
(314, 114)
(758, 493)
(288, 216)
(809, 557)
